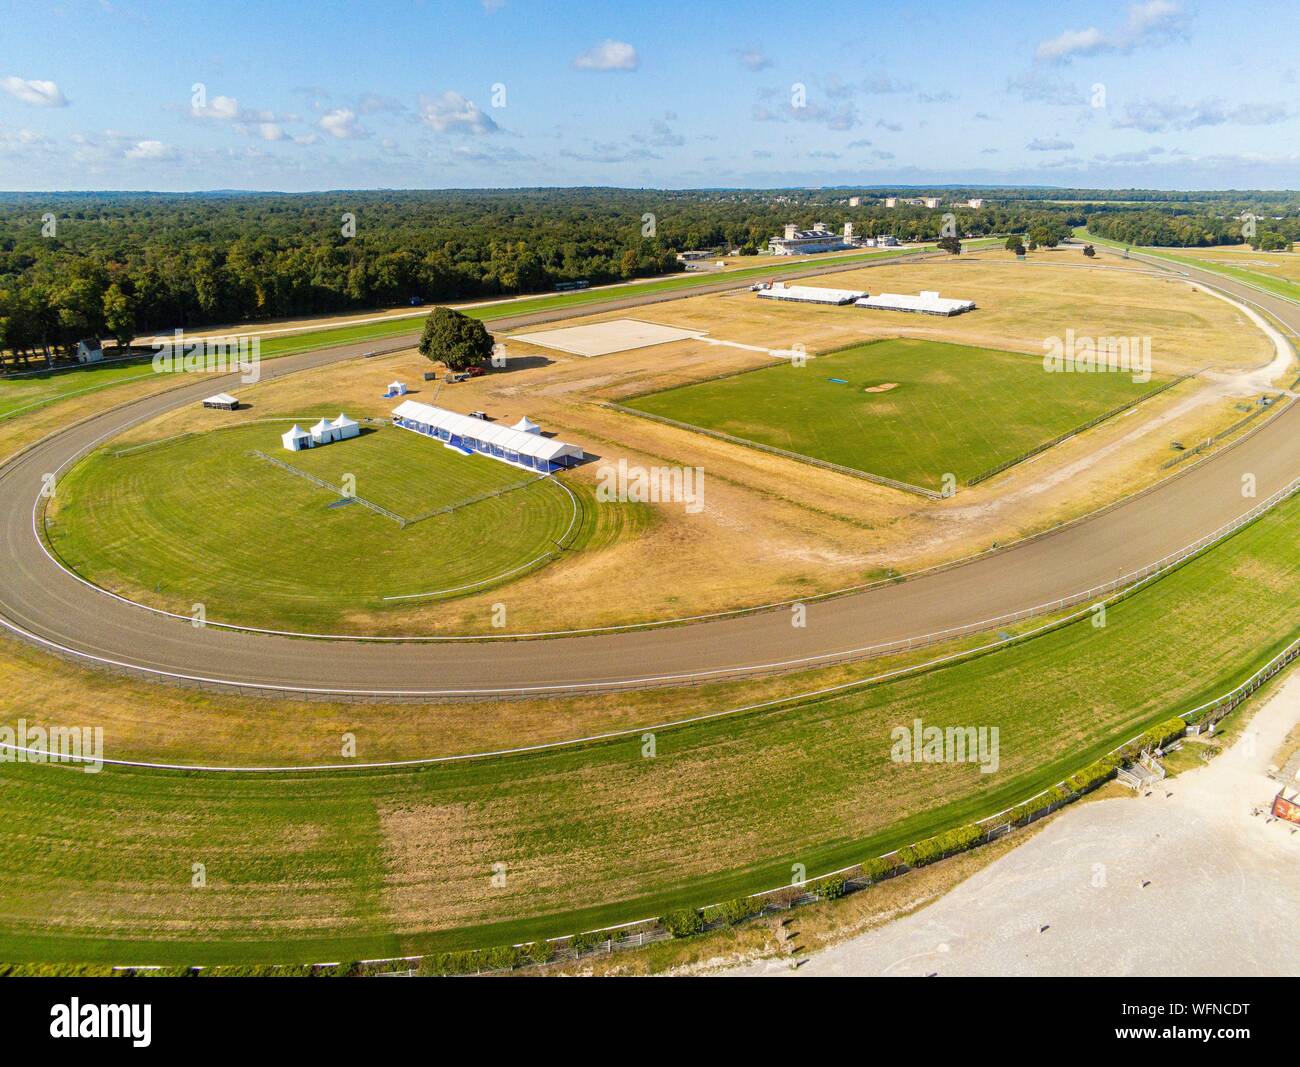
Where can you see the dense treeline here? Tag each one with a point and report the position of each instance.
(113, 265)
(1272, 232)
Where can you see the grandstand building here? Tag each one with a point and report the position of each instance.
(798, 242)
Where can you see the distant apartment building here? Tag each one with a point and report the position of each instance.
(913, 201)
(974, 201)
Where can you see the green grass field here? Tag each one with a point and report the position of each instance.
(316, 867)
(26, 393)
(951, 408)
(202, 520)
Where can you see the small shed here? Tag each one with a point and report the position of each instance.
(90, 350)
(296, 439)
(526, 425)
(323, 432)
(345, 428)
(222, 401)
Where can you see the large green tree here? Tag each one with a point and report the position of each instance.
(455, 339)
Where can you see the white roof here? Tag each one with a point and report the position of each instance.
(925, 301)
(321, 426)
(526, 425)
(295, 431)
(343, 420)
(811, 294)
(221, 398)
(511, 440)
(396, 385)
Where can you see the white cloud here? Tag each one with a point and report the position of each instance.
(1157, 116)
(342, 123)
(1044, 87)
(219, 109)
(1149, 22)
(608, 55)
(1049, 144)
(35, 92)
(452, 113)
(270, 131)
(151, 151)
(754, 58)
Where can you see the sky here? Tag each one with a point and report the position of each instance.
(289, 95)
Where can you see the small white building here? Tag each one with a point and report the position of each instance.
(90, 350)
(396, 389)
(296, 439)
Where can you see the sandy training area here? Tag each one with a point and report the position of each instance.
(603, 338)
(1184, 881)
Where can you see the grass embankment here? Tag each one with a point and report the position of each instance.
(201, 519)
(906, 409)
(1270, 282)
(329, 866)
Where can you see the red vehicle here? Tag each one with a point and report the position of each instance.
(476, 371)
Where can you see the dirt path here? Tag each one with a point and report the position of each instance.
(1185, 881)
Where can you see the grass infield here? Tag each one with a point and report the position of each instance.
(202, 519)
(320, 867)
(907, 409)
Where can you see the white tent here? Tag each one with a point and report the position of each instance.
(345, 427)
(296, 438)
(323, 432)
(396, 388)
(526, 425)
(530, 450)
(222, 400)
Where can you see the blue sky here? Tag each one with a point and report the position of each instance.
(101, 94)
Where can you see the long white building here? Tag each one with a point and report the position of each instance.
(521, 447)
(927, 302)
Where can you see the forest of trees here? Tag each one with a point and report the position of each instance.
(113, 265)
(1196, 230)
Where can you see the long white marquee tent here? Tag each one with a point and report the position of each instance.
(927, 302)
(468, 434)
(810, 294)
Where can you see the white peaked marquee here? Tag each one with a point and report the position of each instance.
(296, 438)
(510, 445)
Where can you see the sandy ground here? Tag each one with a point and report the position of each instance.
(1185, 881)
